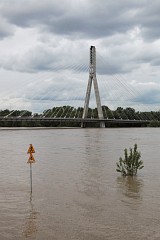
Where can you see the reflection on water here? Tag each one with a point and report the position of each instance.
(131, 186)
(93, 165)
(91, 178)
(30, 226)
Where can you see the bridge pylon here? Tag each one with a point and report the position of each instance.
(93, 78)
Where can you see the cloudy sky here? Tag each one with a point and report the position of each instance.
(44, 52)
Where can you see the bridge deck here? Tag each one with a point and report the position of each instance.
(79, 120)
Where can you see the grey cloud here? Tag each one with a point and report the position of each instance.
(37, 59)
(47, 58)
(59, 89)
(6, 29)
(155, 62)
(150, 96)
(149, 21)
(83, 18)
(29, 13)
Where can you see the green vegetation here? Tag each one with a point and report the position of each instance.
(72, 112)
(131, 162)
(155, 123)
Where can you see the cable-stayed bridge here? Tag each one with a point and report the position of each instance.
(113, 94)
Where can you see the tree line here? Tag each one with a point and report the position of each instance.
(72, 112)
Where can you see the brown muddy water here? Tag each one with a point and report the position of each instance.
(77, 193)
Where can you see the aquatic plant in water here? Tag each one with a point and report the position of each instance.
(131, 162)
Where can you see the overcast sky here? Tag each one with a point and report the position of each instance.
(44, 52)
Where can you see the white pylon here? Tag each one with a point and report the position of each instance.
(92, 78)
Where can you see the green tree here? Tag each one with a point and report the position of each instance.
(155, 123)
(131, 162)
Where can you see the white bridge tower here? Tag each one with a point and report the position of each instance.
(92, 78)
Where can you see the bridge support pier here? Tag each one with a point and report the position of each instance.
(92, 78)
(102, 125)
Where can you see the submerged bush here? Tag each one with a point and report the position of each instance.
(131, 162)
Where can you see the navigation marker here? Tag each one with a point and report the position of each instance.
(30, 161)
(31, 149)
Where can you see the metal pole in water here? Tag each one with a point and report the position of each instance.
(31, 175)
(30, 161)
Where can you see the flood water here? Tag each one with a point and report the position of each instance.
(77, 193)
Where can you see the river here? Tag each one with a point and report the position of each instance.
(77, 193)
